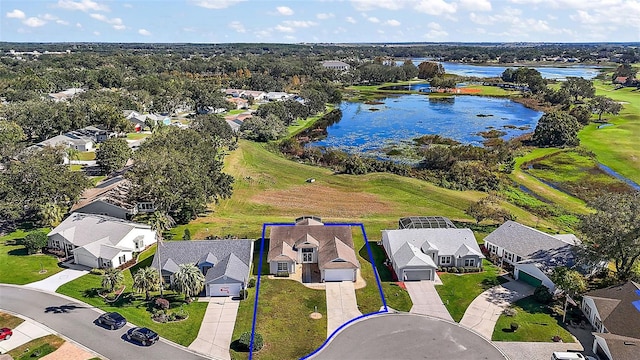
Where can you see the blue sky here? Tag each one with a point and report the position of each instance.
(338, 21)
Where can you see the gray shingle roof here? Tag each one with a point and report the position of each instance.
(623, 318)
(231, 267)
(410, 255)
(448, 241)
(81, 229)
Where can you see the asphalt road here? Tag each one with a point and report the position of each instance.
(408, 336)
(76, 321)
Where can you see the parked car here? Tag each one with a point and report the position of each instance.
(5, 334)
(560, 355)
(112, 320)
(143, 335)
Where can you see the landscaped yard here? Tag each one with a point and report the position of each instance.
(14, 256)
(87, 155)
(458, 290)
(9, 321)
(35, 349)
(535, 323)
(133, 307)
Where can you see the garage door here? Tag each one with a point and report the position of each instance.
(415, 275)
(338, 275)
(529, 279)
(232, 289)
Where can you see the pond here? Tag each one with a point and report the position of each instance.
(370, 129)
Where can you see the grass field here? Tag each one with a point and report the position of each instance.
(137, 136)
(299, 125)
(87, 155)
(536, 324)
(616, 146)
(35, 349)
(14, 256)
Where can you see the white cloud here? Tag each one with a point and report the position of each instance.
(49, 17)
(216, 4)
(290, 37)
(115, 22)
(82, 5)
(374, 19)
(284, 10)
(16, 14)
(34, 22)
(324, 16)
(62, 22)
(119, 27)
(282, 28)
(434, 26)
(299, 23)
(144, 32)
(436, 34)
(189, 29)
(393, 22)
(128, 6)
(78, 25)
(96, 33)
(261, 34)
(365, 5)
(237, 26)
(477, 5)
(435, 7)
(351, 20)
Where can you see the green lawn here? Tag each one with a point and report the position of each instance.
(299, 125)
(137, 136)
(458, 291)
(10, 321)
(133, 307)
(87, 155)
(536, 323)
(14, 256)
(35, 349)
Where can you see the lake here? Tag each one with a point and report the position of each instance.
(484, 71)
(369, 129)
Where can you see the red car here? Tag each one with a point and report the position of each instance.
(5, 334)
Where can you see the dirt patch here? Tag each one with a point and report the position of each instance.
(323, 201)
(69, 351)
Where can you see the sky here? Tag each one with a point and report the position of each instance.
(319, 21)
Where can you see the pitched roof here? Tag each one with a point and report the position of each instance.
(531, 243)
(410, 255)
(81, 229)
(114, 191)
(232, 267)
(448, 241)
(622, 318)
(175, 253)
(621, 347)
(334, 242)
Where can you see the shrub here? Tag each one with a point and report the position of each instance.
(282, 274)
(162, 303)
(252, 282)
(510, 312)
(243, 294)
(245, 341)
(96, 271)
(514, 326)
(187, 234)
(35, 241)
(542, 294)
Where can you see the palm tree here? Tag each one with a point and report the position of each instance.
(160, 221)
(72, 154)
(188, 280)
(146, 279)
(51, 214)
(111, 278)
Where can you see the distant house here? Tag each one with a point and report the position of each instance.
(278, 96)
(234, 123)
(417, 251)
(311, 242)
(100, 241)
(336, 65)
(110, 197)
(224, 263)
(256, 95)
(533, 254)
(240, 103)
(74, 140)
(65, 95)
(614, 313)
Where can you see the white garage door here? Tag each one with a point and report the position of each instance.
(84, 259)
(232, 289)
(415, 275)
(338, 275)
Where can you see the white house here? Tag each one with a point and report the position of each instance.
(100, 241)
(614, 313)
(336, 65)
(532, 253)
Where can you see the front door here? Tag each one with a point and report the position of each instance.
(307, 257)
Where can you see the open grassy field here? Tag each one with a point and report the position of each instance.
(535, 321)
(300, 125)
(14, 256)
(616, 146)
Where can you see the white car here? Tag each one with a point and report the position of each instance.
(559, 355)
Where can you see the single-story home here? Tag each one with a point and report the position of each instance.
(614, 313)
(110, 197)
(71, 139)
(336, 65)
(100, 241)
(224, 263)
(416, 253)
(533, 253)
(310, 241)
(66, 94)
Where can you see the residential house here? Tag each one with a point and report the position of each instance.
(614, 313)
(422, 244)
(65, 95)
(109, 197)
(278, 96)
(224, 263)
(310, 242)
(100, 241)
(240, 103)
(533, 253)
(72, 139)
(336, 65)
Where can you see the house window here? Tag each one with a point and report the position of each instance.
(445, 260)
(283, 266)
(518, 258)
(587, 310)
(122, 259)
(469, 262)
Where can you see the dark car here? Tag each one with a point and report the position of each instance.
(143, 335)
(112, 320)
(5, 334)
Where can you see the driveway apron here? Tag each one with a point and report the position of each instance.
(341, 304)
(484, 311)
(53, 282)
(214, 337)
(22, 334)
(426, 300)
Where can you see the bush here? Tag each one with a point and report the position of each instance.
(96, 271)
(243, 294)
(187, 234)
(282, 274)
(542, 294)
(510, 312)
(514, 326)
(245, 341)
(35, 241)
(252, 282)
(162, 303)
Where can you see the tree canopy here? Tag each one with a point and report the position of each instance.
(263, 129)
(579, 88)
(604, 105)
(556, 129)
(113, 154)
(429, 69)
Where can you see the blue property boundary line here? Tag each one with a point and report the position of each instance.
(375, 272)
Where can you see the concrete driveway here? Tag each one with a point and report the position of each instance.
(535, 350)
(53, 282)
(341, 304)
(24, 333)
(426, 300)
(484, 311)
(214, 337)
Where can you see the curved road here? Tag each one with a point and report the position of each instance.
(75, 320)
